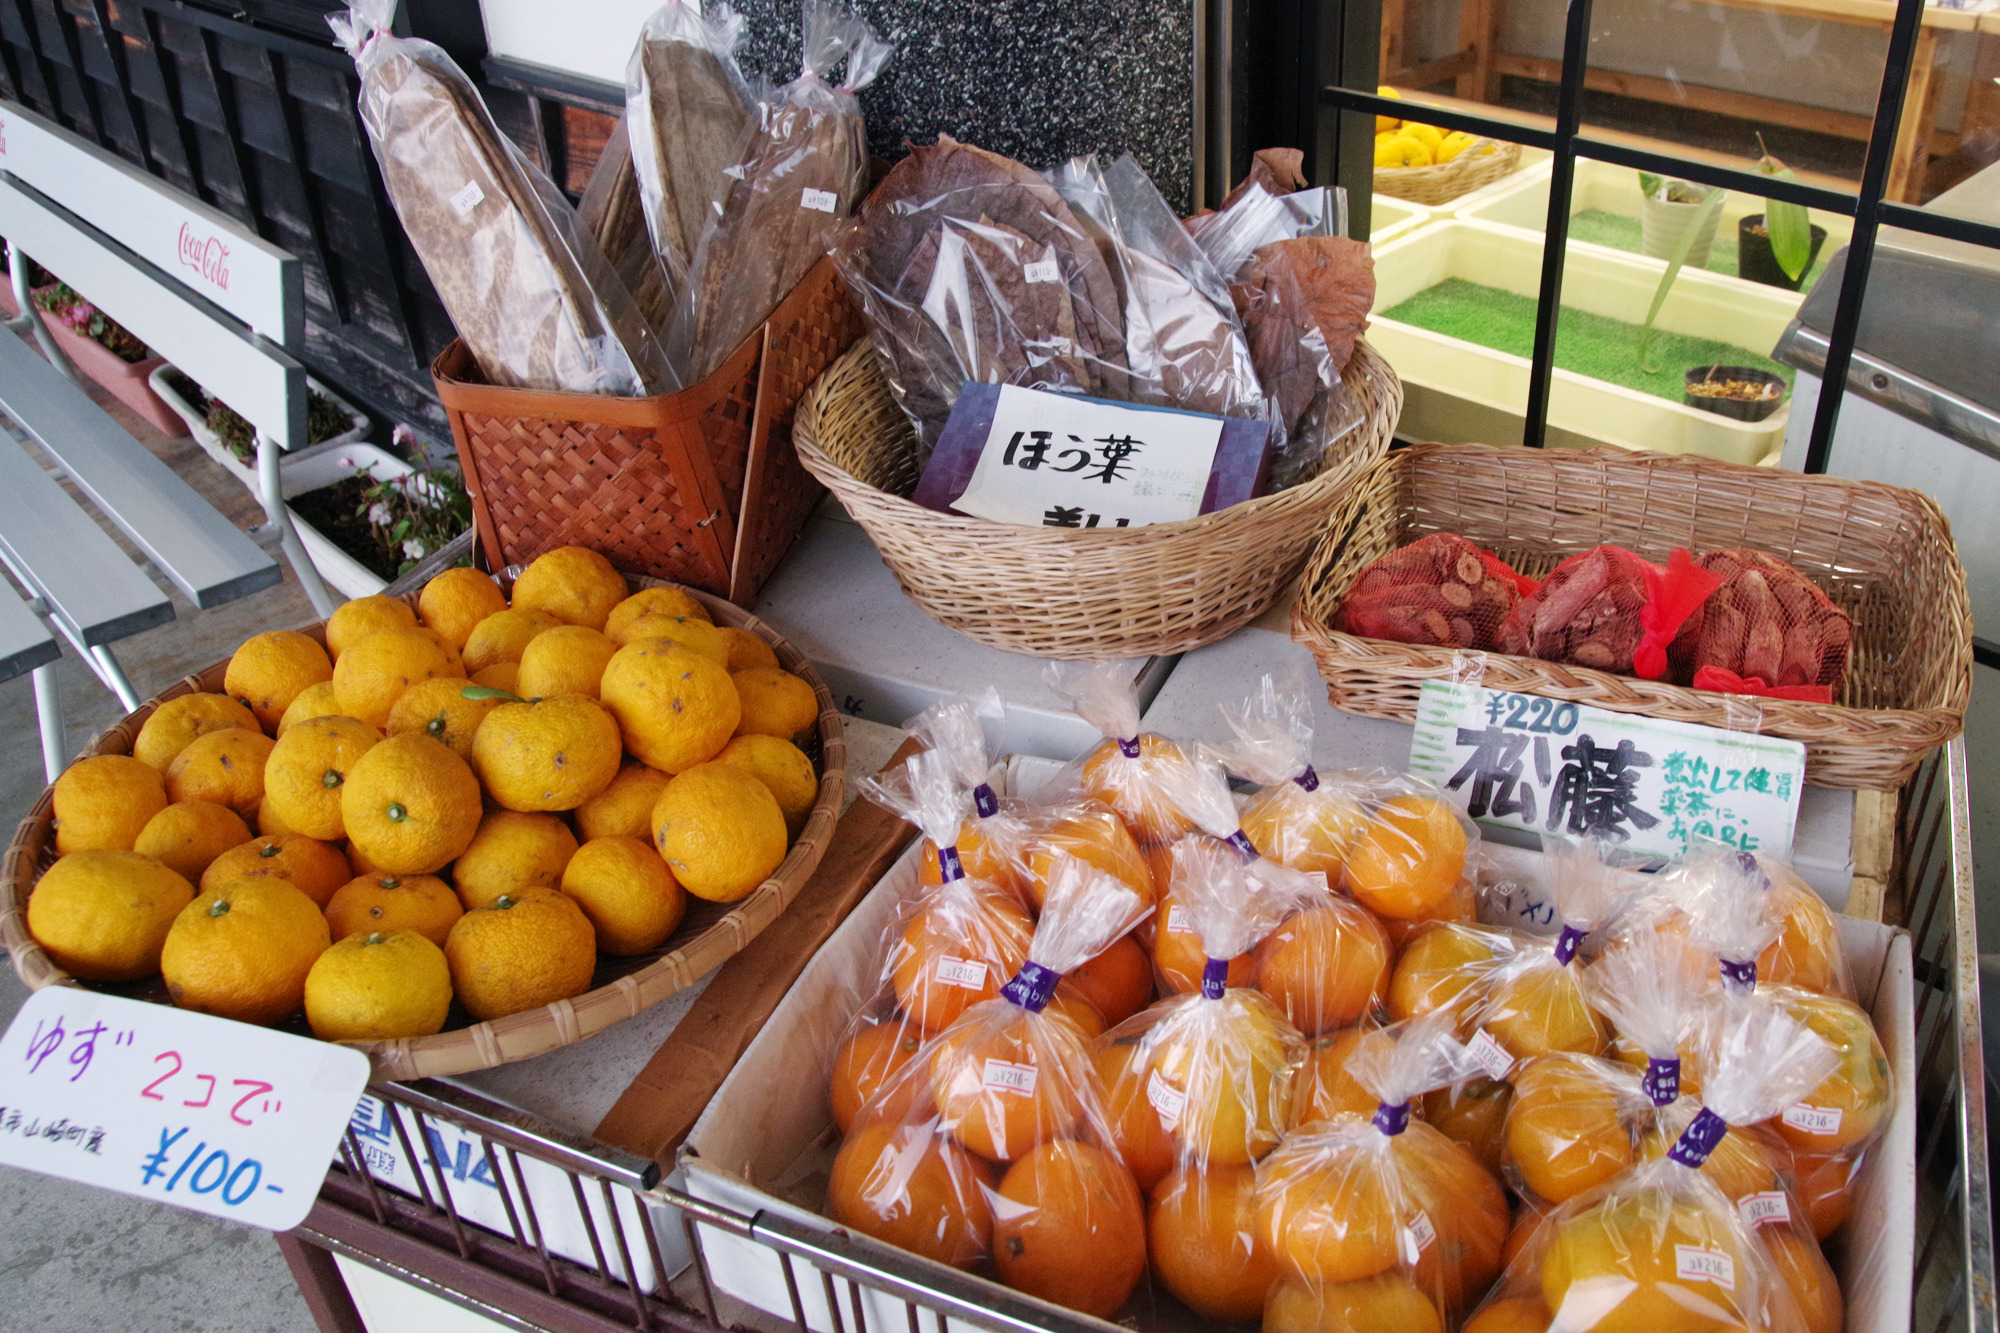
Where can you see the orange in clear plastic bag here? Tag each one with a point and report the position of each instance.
(1178, 955)
(865, 1063)
(958, 951)
(1143, 1143)
(1204, 1243)
(1440, 966)
(1810, 1277)
(1632, 1245)
(1387, 1302)
(1324, 1088)
(905, 1185)
(1000, 1124)
(1118, 983)
(1096, 837)
(1233, 1098)
(1409, 857)
(1518, 1314)
(1325, 967)
(1123, 781)
(1748, 1161)
(982, 857)
(1570, 1127)
(1070, 1228)
(1850, 1106)
(1473, 1114)
(1308, 831)
(1539, 1009)
(1808, 952)
(1825, 1188)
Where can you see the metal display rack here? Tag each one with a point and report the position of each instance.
(515, 1278)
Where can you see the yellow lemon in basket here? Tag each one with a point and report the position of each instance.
(1384, 123)
(355, 620)
(1427, 135)
(313, 701)
(410, 805)
(243, 950)
(686, 631)
(512, 851)
(270, 669)
(366, 903)
(178, 721)
(499, 676)
(720, 830)
(1400, 150)
(1453, 144)
(456, 601)
(775, 703)
(746, 650)
(372, 674)
(676, 707)
(651, 602)
(504, 636)
(568, 659)
(105, 801)
(554, 754)
(377, 987)
(626, 806)
(188, 835)
(624, 887)
(781, 766)
(315, 868)
(307, 768)
(521, 951)
(103, 914)
(439, 709)
(574, 584)
(226, 767)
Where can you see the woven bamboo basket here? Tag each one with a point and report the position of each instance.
(1062, 592)
(701, 487)
(1462, 175)
(709, 935)
(1883, 554)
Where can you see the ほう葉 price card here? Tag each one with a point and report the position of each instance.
(1525, 762)
(220, 1117)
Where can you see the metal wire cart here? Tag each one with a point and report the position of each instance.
(535, 1228)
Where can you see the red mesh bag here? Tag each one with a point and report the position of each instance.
(1439, 590)
(1609, 609)
(1767, 630)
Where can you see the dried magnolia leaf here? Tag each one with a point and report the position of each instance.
(1277, 170)
(698, 108)
(612, 212)
(1303, 304)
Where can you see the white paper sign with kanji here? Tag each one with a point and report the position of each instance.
(1525, 762)
(176, 1107)
(1054, 460)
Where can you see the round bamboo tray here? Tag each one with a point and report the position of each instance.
(1070, 593)
(621, 988)
(1462, 175)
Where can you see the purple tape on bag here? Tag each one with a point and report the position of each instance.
(1308, 779)
(1566, 943)
(948, 867)
(1746, 863)
(1214, 977)
(1392, 1118)
(1740, 976)
(1032, 987)
(1699, 1139)
(1129, 748)
(984, 801)
(1244, 847)
(1662, 1081)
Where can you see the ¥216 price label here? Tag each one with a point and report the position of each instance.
(220, 1117)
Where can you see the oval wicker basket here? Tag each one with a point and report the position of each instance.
(1061, 592)
(1882, 553)
(1462, 175)
(621, 988)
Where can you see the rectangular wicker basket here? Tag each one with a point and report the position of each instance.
(700, 487)
(1882, 553)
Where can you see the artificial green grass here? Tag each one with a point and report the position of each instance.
(1593, 345)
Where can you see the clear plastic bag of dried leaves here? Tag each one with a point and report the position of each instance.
(794, 177)
(532, 295)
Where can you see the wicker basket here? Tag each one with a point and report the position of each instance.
(701, 487)
(1884, 554)
(1061, 592)
(1462, 175)
(622, 987)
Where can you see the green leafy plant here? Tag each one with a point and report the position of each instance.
(1789, 225)
(1710, 201)
(77, 314)
(412, 516)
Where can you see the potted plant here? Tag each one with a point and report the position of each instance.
(107, 352)
(1777, 246)
(366, 516)
(1743, 393)
(331, 422)
(1670, 209)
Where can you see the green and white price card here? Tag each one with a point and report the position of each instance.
(1524, 762)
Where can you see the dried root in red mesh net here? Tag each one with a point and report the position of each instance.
(1609, 609)
(1767, 630)
(1440, 590)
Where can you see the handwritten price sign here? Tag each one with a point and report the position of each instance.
(180, 1108)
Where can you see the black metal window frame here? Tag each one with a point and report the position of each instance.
(1343, 35)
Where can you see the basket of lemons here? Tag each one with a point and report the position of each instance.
(1426, 165)
(450, 829)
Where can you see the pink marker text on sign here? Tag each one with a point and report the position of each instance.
(204, 254)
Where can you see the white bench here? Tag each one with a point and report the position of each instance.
(218, 302)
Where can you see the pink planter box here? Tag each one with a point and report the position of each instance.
(122, 379)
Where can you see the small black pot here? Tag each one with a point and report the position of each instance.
(1755, 261)
(1740, 409)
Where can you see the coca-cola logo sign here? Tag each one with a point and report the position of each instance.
(205, 255)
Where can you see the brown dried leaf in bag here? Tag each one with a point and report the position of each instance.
(612, 212)
(1303, 305)
(1276, 170)
(697, 104)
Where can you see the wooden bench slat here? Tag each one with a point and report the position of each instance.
(53, 546)
(25, 642)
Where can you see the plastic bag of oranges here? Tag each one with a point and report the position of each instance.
(1660, 1248)
(1004, 1130)
(1124, 770)
(993, 844)
(1754, 907)
(1383, 1222)
(1299, 817)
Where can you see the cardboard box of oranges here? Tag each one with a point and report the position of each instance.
(453, 828)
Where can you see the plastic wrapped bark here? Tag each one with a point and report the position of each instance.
(793, 178)
(612, 213)
(535, 300)
(1609, 609)
(1766, 630)
(1440, 590)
